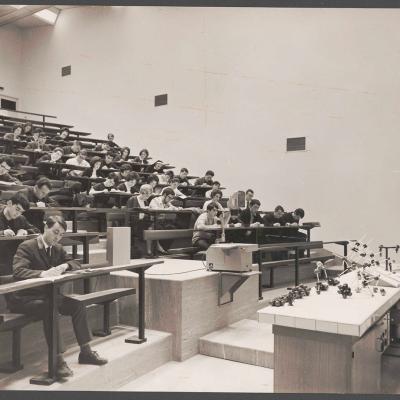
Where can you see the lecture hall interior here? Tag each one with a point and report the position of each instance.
(199, 199)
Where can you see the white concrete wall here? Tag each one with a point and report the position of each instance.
(10, 61)
(239, 82)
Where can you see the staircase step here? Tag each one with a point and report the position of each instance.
(245, 341)
(126, 362)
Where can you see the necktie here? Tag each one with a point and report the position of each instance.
(48, 251)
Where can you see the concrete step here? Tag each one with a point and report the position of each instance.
(245, 341)
(126, 362)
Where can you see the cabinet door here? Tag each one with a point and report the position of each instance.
(366, 366)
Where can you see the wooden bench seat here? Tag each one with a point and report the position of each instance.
(104, 298)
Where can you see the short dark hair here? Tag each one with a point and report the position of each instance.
(53, 219)
(168, 192)
(184, 170)
(216, 183)
(27, 124)
(254, 201)
(110, 153)
(209, 172)
(94, 160)
(170, 173)
(126, 148)
(19, 198)
(212, 206)
(299, 212)
(113, 175)
(153, 178)
(279, 208)
(144, 150)
(126, 167)
(110, 134)
(64, 128)
(214, 192)
(7, 160)
(60, 149)
(133, 175)
(43, 182)
(175, 180)
(249, 191)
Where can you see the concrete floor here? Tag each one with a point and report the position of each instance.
(204, 374)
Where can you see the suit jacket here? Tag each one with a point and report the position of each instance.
(31, 260)
(245, 217)
(29, 193)
(270, 219)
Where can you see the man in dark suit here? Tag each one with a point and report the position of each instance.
(38, 196)
(13, 223)
(251, 217)
(43, 257)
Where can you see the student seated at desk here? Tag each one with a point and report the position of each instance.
(39, 144)
(201, 238)
(6, 163)
(108, 162)
(15, 134)
(124, 170)
(38, 196)
(250, 217)
(110, 184)
(174, 186)
(13, 223)
(274, 218)
(215, 186)
(248, 197)
(103, 147)
(54, 157)
(62, 135)
(216, 196)
(94, 171)
(73, 149)
(166, 177)
(45, 257)
(125, 153)
(143, 157)
(140, 222)
(183, 180)
(156, 168)
(27, 129)
(79, 160)
(130, 184)
(153, 181)
(163, 202)
(207, 180)
(110, 138)
(293, 218)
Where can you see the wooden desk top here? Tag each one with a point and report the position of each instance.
(25, 284)
(87, 273)
(329, 312)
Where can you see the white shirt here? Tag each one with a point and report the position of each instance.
(158, 204)
(74, 161)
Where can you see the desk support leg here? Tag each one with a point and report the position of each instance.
(85, 250)
(260, 296)
(296, 267)
(74, 229)
(141, 338)
(308, 239)
(50, 377)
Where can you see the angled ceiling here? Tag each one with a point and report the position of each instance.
(26, 17)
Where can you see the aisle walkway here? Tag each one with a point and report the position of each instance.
(204, 374)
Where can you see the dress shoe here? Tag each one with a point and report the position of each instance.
(91, 357)
(63, 371)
